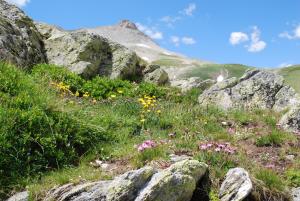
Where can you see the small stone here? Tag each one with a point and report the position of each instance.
(290, 157)
(296, 194)
(23, 196)
(236, 186)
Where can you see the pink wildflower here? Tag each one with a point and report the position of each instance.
(148, 144)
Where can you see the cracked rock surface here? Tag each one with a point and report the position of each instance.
(255, 89)
(20, 42)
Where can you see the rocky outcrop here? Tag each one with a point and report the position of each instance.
(236, 186)
(191, 83)
(122, 188)
(291, 120)
(20, 42)
(176, 183)
(155, 74)
(296, 194)
(88, 54)
(256, 89)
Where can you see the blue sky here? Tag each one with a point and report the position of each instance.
(262, 33)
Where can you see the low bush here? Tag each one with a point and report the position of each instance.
(275, 138)
(35, 134)
(270, 179)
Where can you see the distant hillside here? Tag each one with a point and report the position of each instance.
(292, 76)
(211, 71)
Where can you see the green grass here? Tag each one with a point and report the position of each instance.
(291, 75)
(275, 138)
(168, 61)
(106, 128)
(210, 71)
(271, 179)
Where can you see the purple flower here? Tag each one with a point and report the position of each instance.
(148, 144)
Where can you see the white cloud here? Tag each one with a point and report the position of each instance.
(175, 40)
(189, 10)
(238, 37)
(256, 44)
(20, 3)
(150, 31)
(170, 21)
(188, 41)
(183, 40)
(294, 35)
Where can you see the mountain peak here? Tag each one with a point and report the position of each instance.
(127, 24)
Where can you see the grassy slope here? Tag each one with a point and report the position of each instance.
(292, 76)
(259, 143)
(209, 71)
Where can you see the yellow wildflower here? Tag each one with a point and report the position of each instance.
(113, 96)
(77, 94)
(86, 94)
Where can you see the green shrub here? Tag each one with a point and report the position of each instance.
(150, 90)
(98, 87)
(142, 158)
(293, 176)
(270, 179)
(52, 73)
(276, 138)
(102, 87)
(35, 135)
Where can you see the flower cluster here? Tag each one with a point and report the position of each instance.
(64, 88)
(149, 104)
(148, 144)
(218, 147)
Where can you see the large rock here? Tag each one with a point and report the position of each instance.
(88, 54)
(236, 186)
(256, 89)
(155, 74)
(176, 183)
(20, 42)
(122, 188)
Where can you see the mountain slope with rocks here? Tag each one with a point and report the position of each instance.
(89, 119)
(127, 34)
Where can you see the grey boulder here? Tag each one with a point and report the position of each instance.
(176, 183)
(20, 42)
(236, 186)
(88, 54)
(255, 89)
(123, 188)
(155, 74)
